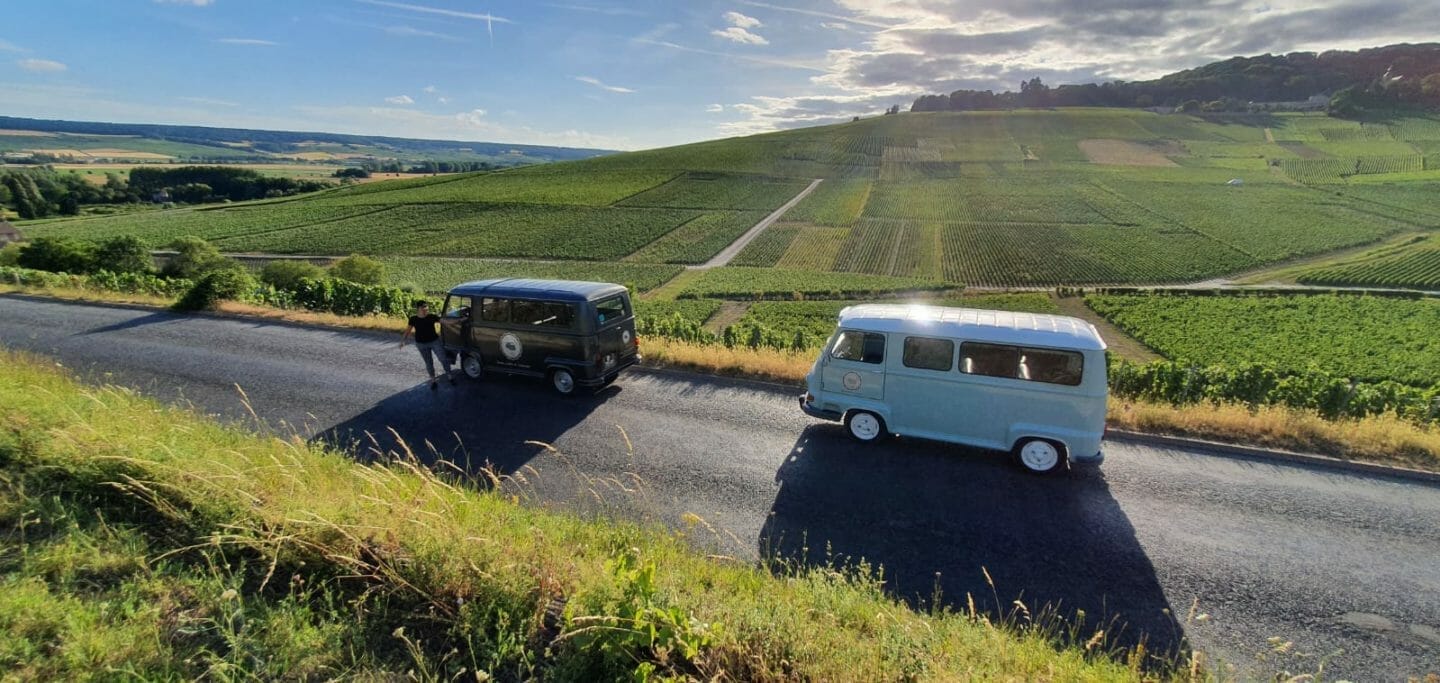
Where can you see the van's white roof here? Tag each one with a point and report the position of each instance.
(1001, 327)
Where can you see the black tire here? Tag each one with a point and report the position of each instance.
(471, 365)
(563, 382)
(865, 426)
(1039, 456)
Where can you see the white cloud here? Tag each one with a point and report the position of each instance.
(400, 99)
(246, 41)
(486, 17)
(412, 32)
(195, 3)
(41, 65)
(715, 108)
(7, 46)
(208, 101)
(740, 35)
(786, 63)
(443, 99)
(738, 19)
(429, 90)
(836, 26)
(597, 83)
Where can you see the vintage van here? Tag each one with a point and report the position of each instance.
(573, 334)
(1030, 384)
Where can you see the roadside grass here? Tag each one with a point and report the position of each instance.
(148, 542)
(1382, 439)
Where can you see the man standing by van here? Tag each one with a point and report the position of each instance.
(427, 340)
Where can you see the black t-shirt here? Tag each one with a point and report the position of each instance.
(425, 327)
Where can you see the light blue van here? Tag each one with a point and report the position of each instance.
(1027, 383)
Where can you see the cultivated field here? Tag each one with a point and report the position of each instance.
(1023, 198)
(1362, 337)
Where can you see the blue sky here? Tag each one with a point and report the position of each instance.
(613, 74)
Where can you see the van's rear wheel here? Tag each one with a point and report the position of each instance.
(562, 381)
(472, 367)
(865, 426)
(1039, 456)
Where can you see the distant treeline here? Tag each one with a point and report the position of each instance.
(289, 141)
(197, 184)
(427, 167)
(1397, 75)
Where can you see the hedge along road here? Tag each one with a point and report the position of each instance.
(1334, 562)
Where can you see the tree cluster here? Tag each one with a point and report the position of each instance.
(198, 184)
(41, 191)
(1393, 76)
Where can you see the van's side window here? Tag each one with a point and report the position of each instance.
(928, 354)
(991, 360)
(609, 310)
(495, 310)
(1051, 366)
(864, 347)
(524, 312)
(557, 316)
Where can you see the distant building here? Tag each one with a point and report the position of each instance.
(8, 233)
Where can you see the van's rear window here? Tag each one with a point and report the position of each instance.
(610, 310)
(1050, 366)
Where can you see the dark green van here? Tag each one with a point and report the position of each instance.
(574, 334)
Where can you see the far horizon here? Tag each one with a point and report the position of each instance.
(614, 75)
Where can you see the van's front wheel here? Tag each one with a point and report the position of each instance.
(562, 381)
(472, 367)
(1039, 456)
(864, 426)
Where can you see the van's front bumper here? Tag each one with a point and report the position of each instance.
(812, 411)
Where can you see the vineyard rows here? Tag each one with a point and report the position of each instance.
(719, 191)
(699, 239)
(767, 248)
(1362, 337)
(530, 185)
(1048, 255)
(815, 249)
(834, 203)
(1414, 268)
(777, 283)
(440, 274)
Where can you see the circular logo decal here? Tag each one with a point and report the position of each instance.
(625, 336)
(851, 380)
(510, 346)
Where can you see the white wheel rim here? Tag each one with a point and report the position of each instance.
(865, 426)
(472, 366)
(564, 383)
(1039, 456)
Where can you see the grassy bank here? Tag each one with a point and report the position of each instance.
(146, 542)
(1381, 439)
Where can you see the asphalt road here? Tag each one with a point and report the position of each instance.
(1346, 567)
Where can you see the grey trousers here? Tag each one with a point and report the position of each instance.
(429, 351)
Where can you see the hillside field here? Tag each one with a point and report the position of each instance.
(1019, 198)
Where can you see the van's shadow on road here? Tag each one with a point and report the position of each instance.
(942, 516)
(495, 423)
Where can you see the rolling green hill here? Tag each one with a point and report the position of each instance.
(1029, 197)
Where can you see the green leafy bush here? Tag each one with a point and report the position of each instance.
(343, 297)
(214, 287)
(287, 274)
(195, 257)
(124, 254)
(58, 255)
(359, 269)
